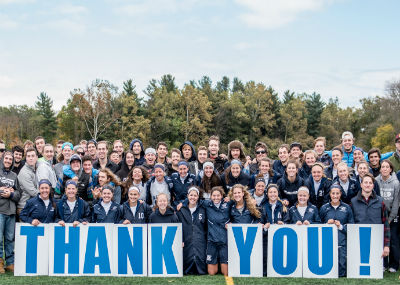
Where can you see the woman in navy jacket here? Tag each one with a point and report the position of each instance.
(234, 175)
(340, 214)
(106, 210)
(259, 193)
(290, 183)
(244, 208)
(319, 196)
(72, 209)
(163, 213)
(348, 185)
(40, 209)
(265, 171)
(134, 211)
(273, 212)
(194, 224)
(304, 213)
(217, 212)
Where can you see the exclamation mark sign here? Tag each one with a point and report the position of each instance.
(365, 249)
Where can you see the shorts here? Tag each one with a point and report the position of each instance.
(216, 253)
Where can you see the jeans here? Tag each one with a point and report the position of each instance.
(7, 233)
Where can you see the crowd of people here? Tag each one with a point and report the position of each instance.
(95, 182)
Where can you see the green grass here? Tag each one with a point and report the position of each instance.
(219, 279)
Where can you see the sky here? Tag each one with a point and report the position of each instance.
(338, 48)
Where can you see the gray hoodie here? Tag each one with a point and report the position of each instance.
(28, 183)
(390, 194)
(45, 170)
(9, 179)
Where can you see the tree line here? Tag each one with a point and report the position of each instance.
(232, 109)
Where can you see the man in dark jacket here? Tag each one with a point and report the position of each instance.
(18, 152)
(136, 146)
(103, 161)
(9, 196)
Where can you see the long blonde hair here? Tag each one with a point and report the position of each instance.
(247, 199)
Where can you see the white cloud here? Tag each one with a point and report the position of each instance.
(272, 14)
(243, 46)
(7, 23)
(71, 9)
(6, 2)
(6, 81)
(71, 26)
(145, 8)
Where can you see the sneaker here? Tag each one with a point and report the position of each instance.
(392, 270)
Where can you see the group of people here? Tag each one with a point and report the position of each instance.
(94, 182)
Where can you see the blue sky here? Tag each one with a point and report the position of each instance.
(342, 48)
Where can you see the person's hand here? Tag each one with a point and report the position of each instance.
(254, 160)
(75, 224)
(61, 223)
(11, 189)
(35, 222)
(306, 223)
(331, 221)
(141, 201)
(126, 222)
(267, 225)
(6, 193)
(299, 223)
(285, 202)
(227, 199)
(226, 225)
(337, 223)
(386, 251)
(75, 178)
(96, 193)
(223, 156)
(280, 223)
(183, 244)
(84, 223)
(169, 160)
(179, 206)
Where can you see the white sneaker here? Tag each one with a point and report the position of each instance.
(392, 270)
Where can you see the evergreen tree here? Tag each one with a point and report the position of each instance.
(48, 123)
(315, 107)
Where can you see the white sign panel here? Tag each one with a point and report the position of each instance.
(285, 251)
(320, 251)
(31, 250)
(364, 251)
(165, 250)
(245, 252)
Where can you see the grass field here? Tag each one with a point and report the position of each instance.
(389, 278)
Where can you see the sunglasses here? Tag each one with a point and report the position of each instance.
(261, 152)
(80, 153)
(2, 149)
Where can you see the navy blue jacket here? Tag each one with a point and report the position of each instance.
(325, 159)
(179, 190)
(99, 214)
(36, 209)
(194, 238)
(217, 218)
(343, 213)
(168, 217)
(322, 195)
(80, 213)
(352, 191)
(377, 190)
(305, 171)
(243, 179)
(242, 218)
(279, 214)
(279, 168)
(310, 215)
(329, 171)
(142, 214)
(288, 190)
